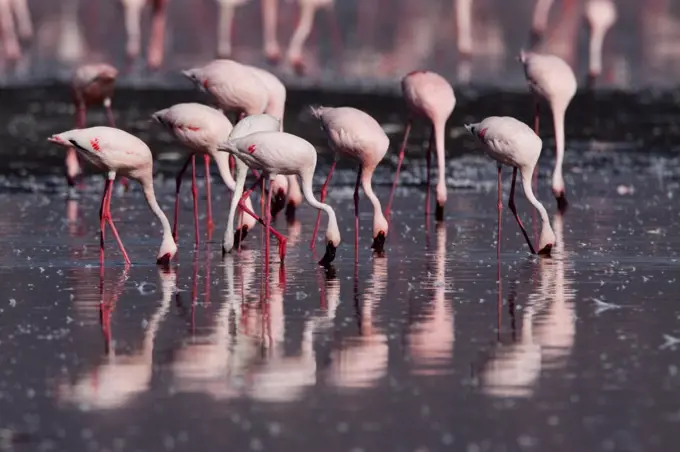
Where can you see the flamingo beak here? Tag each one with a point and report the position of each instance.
(546, 250)
(439, 212)
(329, 255)
(379, 243)
(240, 235)
(164, 260)
(278, 203)
(562, 203)
(56, 139)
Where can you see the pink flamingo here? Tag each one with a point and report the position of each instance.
(464, 28)
(308, 9)
(357, 135)
(511, 142)
(277, 153)
(430, 95)
(601, 15)
(201, 129)
(10, 40)
(281, 185)
(133, 17)
(92, 84)
(550, 78)
(118, 152)
(539, 21)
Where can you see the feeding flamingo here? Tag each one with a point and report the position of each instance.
(601, 15)
(511, 142)
(357, 135)
(92, 84)
(118, 152)
(133, 18)
(430, 95)
(276, 153)
(201, 129)
(550, 78)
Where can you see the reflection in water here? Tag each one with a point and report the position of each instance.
(113, 383)
(361, 362)
(431, 337)
(547, 330)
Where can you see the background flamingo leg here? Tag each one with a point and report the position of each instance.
(178, 184)
(407, 131)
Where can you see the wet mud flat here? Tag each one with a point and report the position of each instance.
(417, 350)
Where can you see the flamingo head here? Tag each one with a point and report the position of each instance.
(332, 243)
(167, 251)
(473, 129)
(380, 227)
(195, 76)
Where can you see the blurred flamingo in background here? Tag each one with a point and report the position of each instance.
(429, 95)
(92, 84)
(201, 129)
(464, 28)
(539, 21)
(550, 78)
(10, 40)
(511, 142)
(270, 43)
(357, 135)
(133, 18)
(224, 26)
(308, 9)
(116, 151)
(601, 15)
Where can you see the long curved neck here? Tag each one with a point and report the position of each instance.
(526, 184)
(150, 196)
(597, 33)
(558, 112)
(133, 17)
(306, 177)
(366, 178)
(439, 128)
(222, 160)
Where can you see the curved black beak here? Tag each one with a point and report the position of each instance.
(239, 235)
(290, 212)
(278, 203)
(546, 250)
(330, 272)
(562, 203)
(439, 212)
(164, 261)
(329, 256)
(379, 242)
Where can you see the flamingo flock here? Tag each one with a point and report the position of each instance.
(242, 131)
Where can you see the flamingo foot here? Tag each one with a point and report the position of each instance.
(439, 212)
(329, 256)
(299, 66)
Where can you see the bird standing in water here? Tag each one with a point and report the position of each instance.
(201, 129)
(513, 143)
(92, 84)
(550, 78)
(430, 95)
(118, 152)
(357, 135)
(276, 153)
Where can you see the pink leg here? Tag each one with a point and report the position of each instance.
(513, 209)
(429, 159)
(194, 194)
(178, 183)
(281, 238)
(324, 192)
(107, 214)
(401, 159)
(268, 221)
(500, 209)
(356, 216)
(211, 225)
(102, 223)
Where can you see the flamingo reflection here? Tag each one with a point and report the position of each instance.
(361, 361)
(431, 338)
(547, 332)
(115, 382)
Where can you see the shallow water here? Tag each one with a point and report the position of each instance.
(412, 351)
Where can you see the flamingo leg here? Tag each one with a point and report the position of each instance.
(102, 223)
(239, 234)
(268, 222)
(107, 214)
(429, 163)
(194, 194)
(280, 238)
(500, 209)
(324, 192)
(513, 209)
(356, 216)
(407, 131)
(211, 224)
(178, 183)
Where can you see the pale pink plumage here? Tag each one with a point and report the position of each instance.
(118, 152)
(601, 15)
(133, 16)
(201, 129)
(550, 78)
(428, 95)
(356, 135)
(277, 153)
(511, 142)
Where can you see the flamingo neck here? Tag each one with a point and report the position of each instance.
(332, 231)
(379, 220)
(558, 112)
(149, 194)
(597, 34)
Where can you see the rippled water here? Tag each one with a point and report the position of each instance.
(421, 349)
